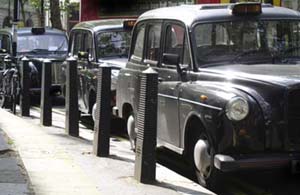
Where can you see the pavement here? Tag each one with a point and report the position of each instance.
(58, 164)
(13, 178)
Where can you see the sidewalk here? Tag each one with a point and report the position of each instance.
(13, 177)
(58, 164)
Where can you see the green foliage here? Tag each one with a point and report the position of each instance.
(37, 4)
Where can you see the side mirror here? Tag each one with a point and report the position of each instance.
(83, 55)
(172, 60)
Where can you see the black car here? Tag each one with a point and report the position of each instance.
(96, 43)
(37, 44)
(229, 85)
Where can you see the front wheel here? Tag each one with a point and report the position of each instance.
(203, 163)
(94, 112)
(132, 131)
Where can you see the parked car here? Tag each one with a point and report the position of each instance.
(229, 85)
(37, 44)
(96, 43)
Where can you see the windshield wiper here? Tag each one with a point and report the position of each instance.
(59, 47)
(38, 50)
(244, 53)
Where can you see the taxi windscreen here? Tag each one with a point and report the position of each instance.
(113, 44)
(42, 43)
(246, 41)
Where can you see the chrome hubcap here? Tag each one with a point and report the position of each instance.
(202, 157)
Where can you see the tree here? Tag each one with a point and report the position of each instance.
(54, 13)
(54, 7)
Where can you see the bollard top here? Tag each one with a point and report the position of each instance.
(47, 61)
(149, 71)
(71, 58)
(25, 58)
(105, 66)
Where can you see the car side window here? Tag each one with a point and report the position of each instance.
(138, 47)
(176, 43)
(153, 42)
(5, 42)
(77, 46)
(88, 44)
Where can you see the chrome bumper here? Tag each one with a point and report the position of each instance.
(227, 163)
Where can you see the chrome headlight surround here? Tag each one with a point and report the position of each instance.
(237, 109)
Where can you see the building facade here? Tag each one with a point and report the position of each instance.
(6, 15)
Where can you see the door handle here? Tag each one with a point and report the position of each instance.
(160, 79)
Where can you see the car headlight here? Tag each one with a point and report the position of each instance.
(237, 109)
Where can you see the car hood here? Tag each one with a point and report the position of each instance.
(278, 74)
(115, 62)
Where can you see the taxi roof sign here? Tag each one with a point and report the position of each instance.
(38, 30)
(244, 9)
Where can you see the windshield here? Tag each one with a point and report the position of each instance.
(246, 41)
(113, 44)
(37, 43)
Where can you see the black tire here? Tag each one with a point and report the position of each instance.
(4, 101)
(211, 177)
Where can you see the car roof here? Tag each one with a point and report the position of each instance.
(27, 30)
(190, 14)
(99, 25)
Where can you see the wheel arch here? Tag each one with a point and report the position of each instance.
(194, 125)
(127, 110)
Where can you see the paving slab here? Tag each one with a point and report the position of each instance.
(14, 189)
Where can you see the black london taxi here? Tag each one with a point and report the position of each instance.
(96, 43)
(37, 44)
(229, 85)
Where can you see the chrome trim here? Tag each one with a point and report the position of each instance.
(200, 104)
(189, 101)
(167, 96)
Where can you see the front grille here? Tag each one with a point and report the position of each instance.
(293, 117)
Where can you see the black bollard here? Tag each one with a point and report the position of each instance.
(46, 105)
(25, 86)
(145, 158)
(72, 113)
(103, 113)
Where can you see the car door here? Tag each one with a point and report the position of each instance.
(76, 47)
(169, 84)
(87, 72)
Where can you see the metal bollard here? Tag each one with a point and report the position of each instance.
(46, 105)
(25, 85)
(103, 113)
(72, 113)
(145, 157)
